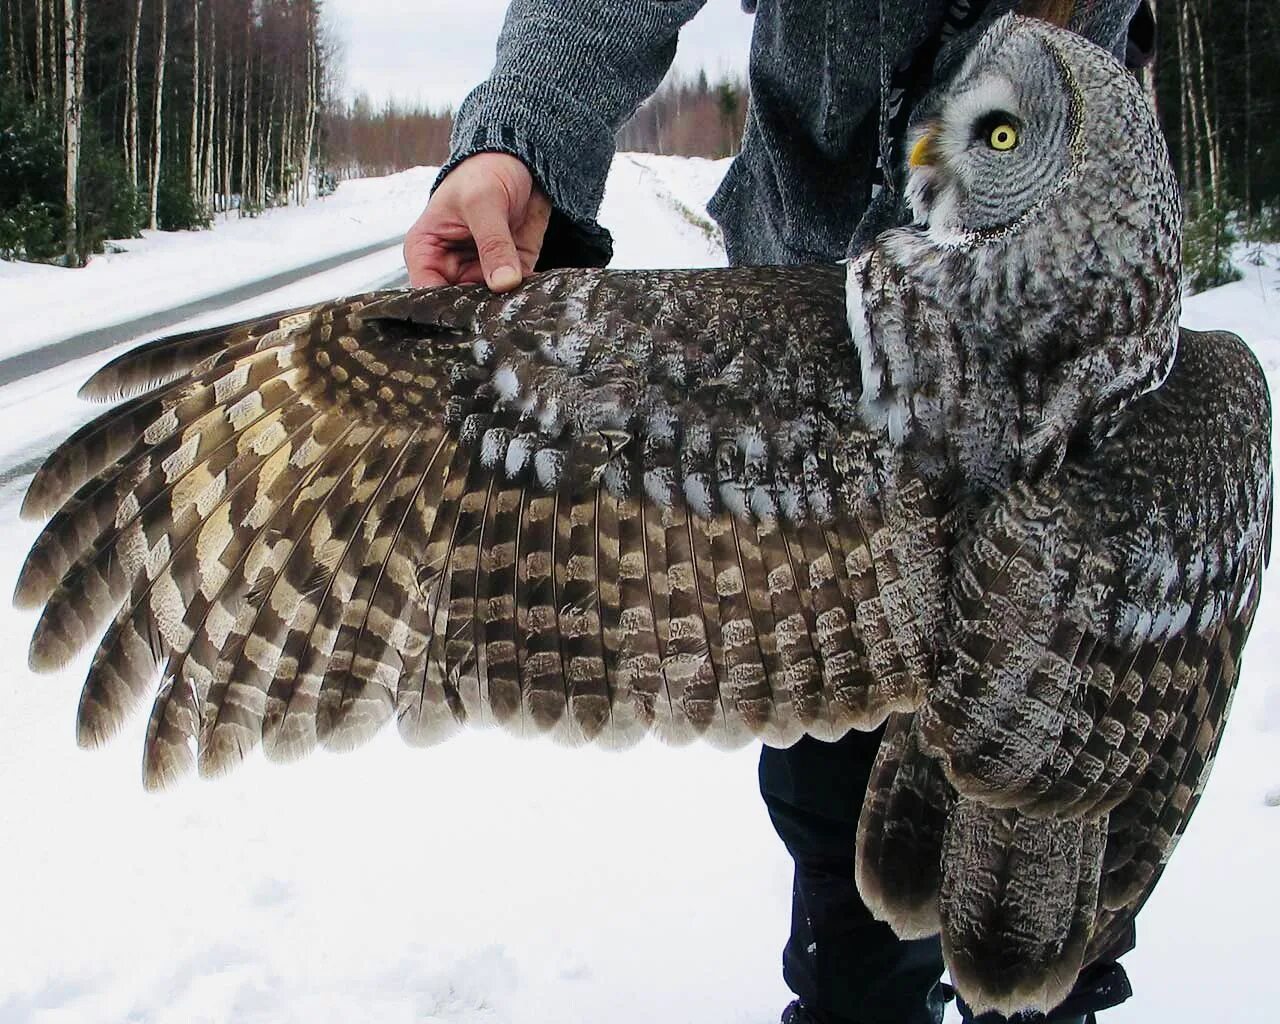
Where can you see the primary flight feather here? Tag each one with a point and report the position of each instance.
(976, 483)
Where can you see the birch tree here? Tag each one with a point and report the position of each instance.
(193, 152)
(157, 120)
(309, 110)
(131, 98)
(73, 21)
(40, 87)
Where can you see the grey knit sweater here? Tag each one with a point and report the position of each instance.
(570, 72)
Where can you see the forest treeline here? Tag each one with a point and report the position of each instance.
(362, 140)
(689, 117)
(1216, 81)
(685, 117)
(121, 114)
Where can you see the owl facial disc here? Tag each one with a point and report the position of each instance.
(1001, 140)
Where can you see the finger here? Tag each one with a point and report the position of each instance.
(426, 277)
(530, 234)
(430, 264)
(495, 247)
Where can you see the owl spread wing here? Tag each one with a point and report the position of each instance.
(1098, 618)
(604, 505)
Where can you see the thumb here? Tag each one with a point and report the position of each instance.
(494, 245)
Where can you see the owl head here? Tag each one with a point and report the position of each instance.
(1039, 285)
(1036, 120)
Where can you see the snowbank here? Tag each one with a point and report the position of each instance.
(168, 268)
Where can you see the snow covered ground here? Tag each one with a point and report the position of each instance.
(487, 881)
(164, 269)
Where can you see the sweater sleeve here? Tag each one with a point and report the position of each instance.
(568, 74)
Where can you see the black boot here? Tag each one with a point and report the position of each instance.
(797, 1013)
(843, 965)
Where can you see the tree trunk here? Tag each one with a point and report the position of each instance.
(72, 20)
(210, 115)
(285, 153)
(20, 34)
(1192, 157)
(82, 36)
(193, 154)
(286, 130)
(228, 102)
(1207, 121)
(1247, 183)
(309, 115)
(156, 119)
(1148, 74)
(244, 120)
(131, 100)
(265, 145)
(51, 52)
(11, 52)
(39, 48)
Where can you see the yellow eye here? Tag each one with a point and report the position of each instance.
(1003, 137)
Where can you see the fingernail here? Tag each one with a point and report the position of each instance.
(504, 278)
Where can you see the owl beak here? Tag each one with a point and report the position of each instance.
(924, 153)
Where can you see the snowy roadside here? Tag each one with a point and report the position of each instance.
(162, 270)
(494, 881)
(165, 269)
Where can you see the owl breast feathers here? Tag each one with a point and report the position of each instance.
(962, 487)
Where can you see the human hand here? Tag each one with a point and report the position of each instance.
(485, 222)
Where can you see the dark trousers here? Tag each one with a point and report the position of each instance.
(844, 965)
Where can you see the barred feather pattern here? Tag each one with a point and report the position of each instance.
(578, 510)
(1025, 902)
(1110, 507)
(1126, 575)
(614, 545)
(1097, 622)
(976, 483)
(901, 831)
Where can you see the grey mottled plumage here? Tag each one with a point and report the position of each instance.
(974, 482)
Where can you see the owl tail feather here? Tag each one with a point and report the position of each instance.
(1018, 901)
(900, 833)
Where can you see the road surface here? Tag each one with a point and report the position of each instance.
(17, 464)
(47, 357)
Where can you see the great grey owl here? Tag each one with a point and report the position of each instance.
(974, 483)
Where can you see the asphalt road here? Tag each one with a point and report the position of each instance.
(54, 354)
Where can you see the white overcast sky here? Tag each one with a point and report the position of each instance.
(434, 51)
